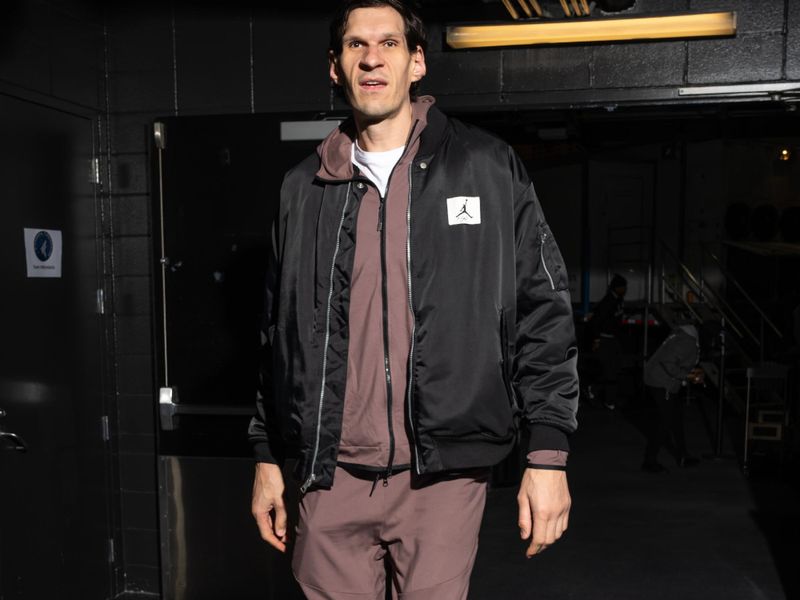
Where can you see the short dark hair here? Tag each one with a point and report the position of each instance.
(415, 28)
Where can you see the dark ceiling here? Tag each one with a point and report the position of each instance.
(441, 11)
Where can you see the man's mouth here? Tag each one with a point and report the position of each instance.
(372, 84)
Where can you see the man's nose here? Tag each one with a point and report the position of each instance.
(372, 57)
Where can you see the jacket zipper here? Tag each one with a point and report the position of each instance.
(387, 370)
(543, 237)
(312, 477)
(410, 374)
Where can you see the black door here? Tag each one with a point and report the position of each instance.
(53, 463)
(221, 181)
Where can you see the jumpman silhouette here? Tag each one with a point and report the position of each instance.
(464, 211)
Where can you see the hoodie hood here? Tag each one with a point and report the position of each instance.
(335, 151)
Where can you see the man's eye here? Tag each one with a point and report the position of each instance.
(354, 44)
(391, 43)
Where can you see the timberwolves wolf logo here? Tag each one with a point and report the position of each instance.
(43, 246)
(464, 210)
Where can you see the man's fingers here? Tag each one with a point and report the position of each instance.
(552, 533)
(267, 505)
(280, 520)
(561, 526)
(539, 539)
(264, 522)
(524, 520)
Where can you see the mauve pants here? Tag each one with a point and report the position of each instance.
(425, 529)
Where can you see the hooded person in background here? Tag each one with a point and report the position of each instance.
(671, 368)
(605, 327)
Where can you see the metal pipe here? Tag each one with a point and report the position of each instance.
(647, 301)
(160, 139)
(721, 384)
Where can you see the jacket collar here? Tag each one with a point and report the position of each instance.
(335, 150)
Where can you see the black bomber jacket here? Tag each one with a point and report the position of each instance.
(493, 339)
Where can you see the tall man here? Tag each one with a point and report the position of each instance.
(417, 310)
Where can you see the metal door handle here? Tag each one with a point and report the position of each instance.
(11, 441)
(169, 410)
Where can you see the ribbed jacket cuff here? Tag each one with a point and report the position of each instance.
(263, 453)
(546, 437)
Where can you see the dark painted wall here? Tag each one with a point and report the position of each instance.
(52, 52)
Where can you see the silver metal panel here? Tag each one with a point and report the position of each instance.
(210, 546)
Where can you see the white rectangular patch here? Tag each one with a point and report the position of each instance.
(43, 250)
(464, 210)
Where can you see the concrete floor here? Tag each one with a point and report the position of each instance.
(702, 533)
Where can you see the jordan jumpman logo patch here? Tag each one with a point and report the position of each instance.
(464, 210)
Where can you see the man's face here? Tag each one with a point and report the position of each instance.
(376, 67)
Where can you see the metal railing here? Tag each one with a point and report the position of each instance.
(715, 299)
(764, 320)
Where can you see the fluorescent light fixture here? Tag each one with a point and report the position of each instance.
(611, 29)
(742, 89)
(295, 131)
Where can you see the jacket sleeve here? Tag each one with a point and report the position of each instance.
(545, 373)
(263, 430)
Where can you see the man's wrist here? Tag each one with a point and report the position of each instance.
(548, 460)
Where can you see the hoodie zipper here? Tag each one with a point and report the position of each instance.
(543, 237)
(387, 369)
(312, 477)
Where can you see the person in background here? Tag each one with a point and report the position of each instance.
(605, 327)
(666, 374)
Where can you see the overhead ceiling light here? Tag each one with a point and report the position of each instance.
(679, 26)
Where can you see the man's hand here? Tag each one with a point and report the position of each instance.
(268, 507)
(544, 497)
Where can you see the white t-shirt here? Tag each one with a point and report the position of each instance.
(376, 166)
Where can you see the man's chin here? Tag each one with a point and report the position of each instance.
(371, 114)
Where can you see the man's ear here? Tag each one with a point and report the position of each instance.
(333, 67)
(419, 68)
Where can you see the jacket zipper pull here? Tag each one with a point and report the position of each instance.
(374, 483)
(542, 238)
(307, 484)
(386, 476)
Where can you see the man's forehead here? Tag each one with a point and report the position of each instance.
(384, 20)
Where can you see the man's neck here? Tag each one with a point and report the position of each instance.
(387, 134)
